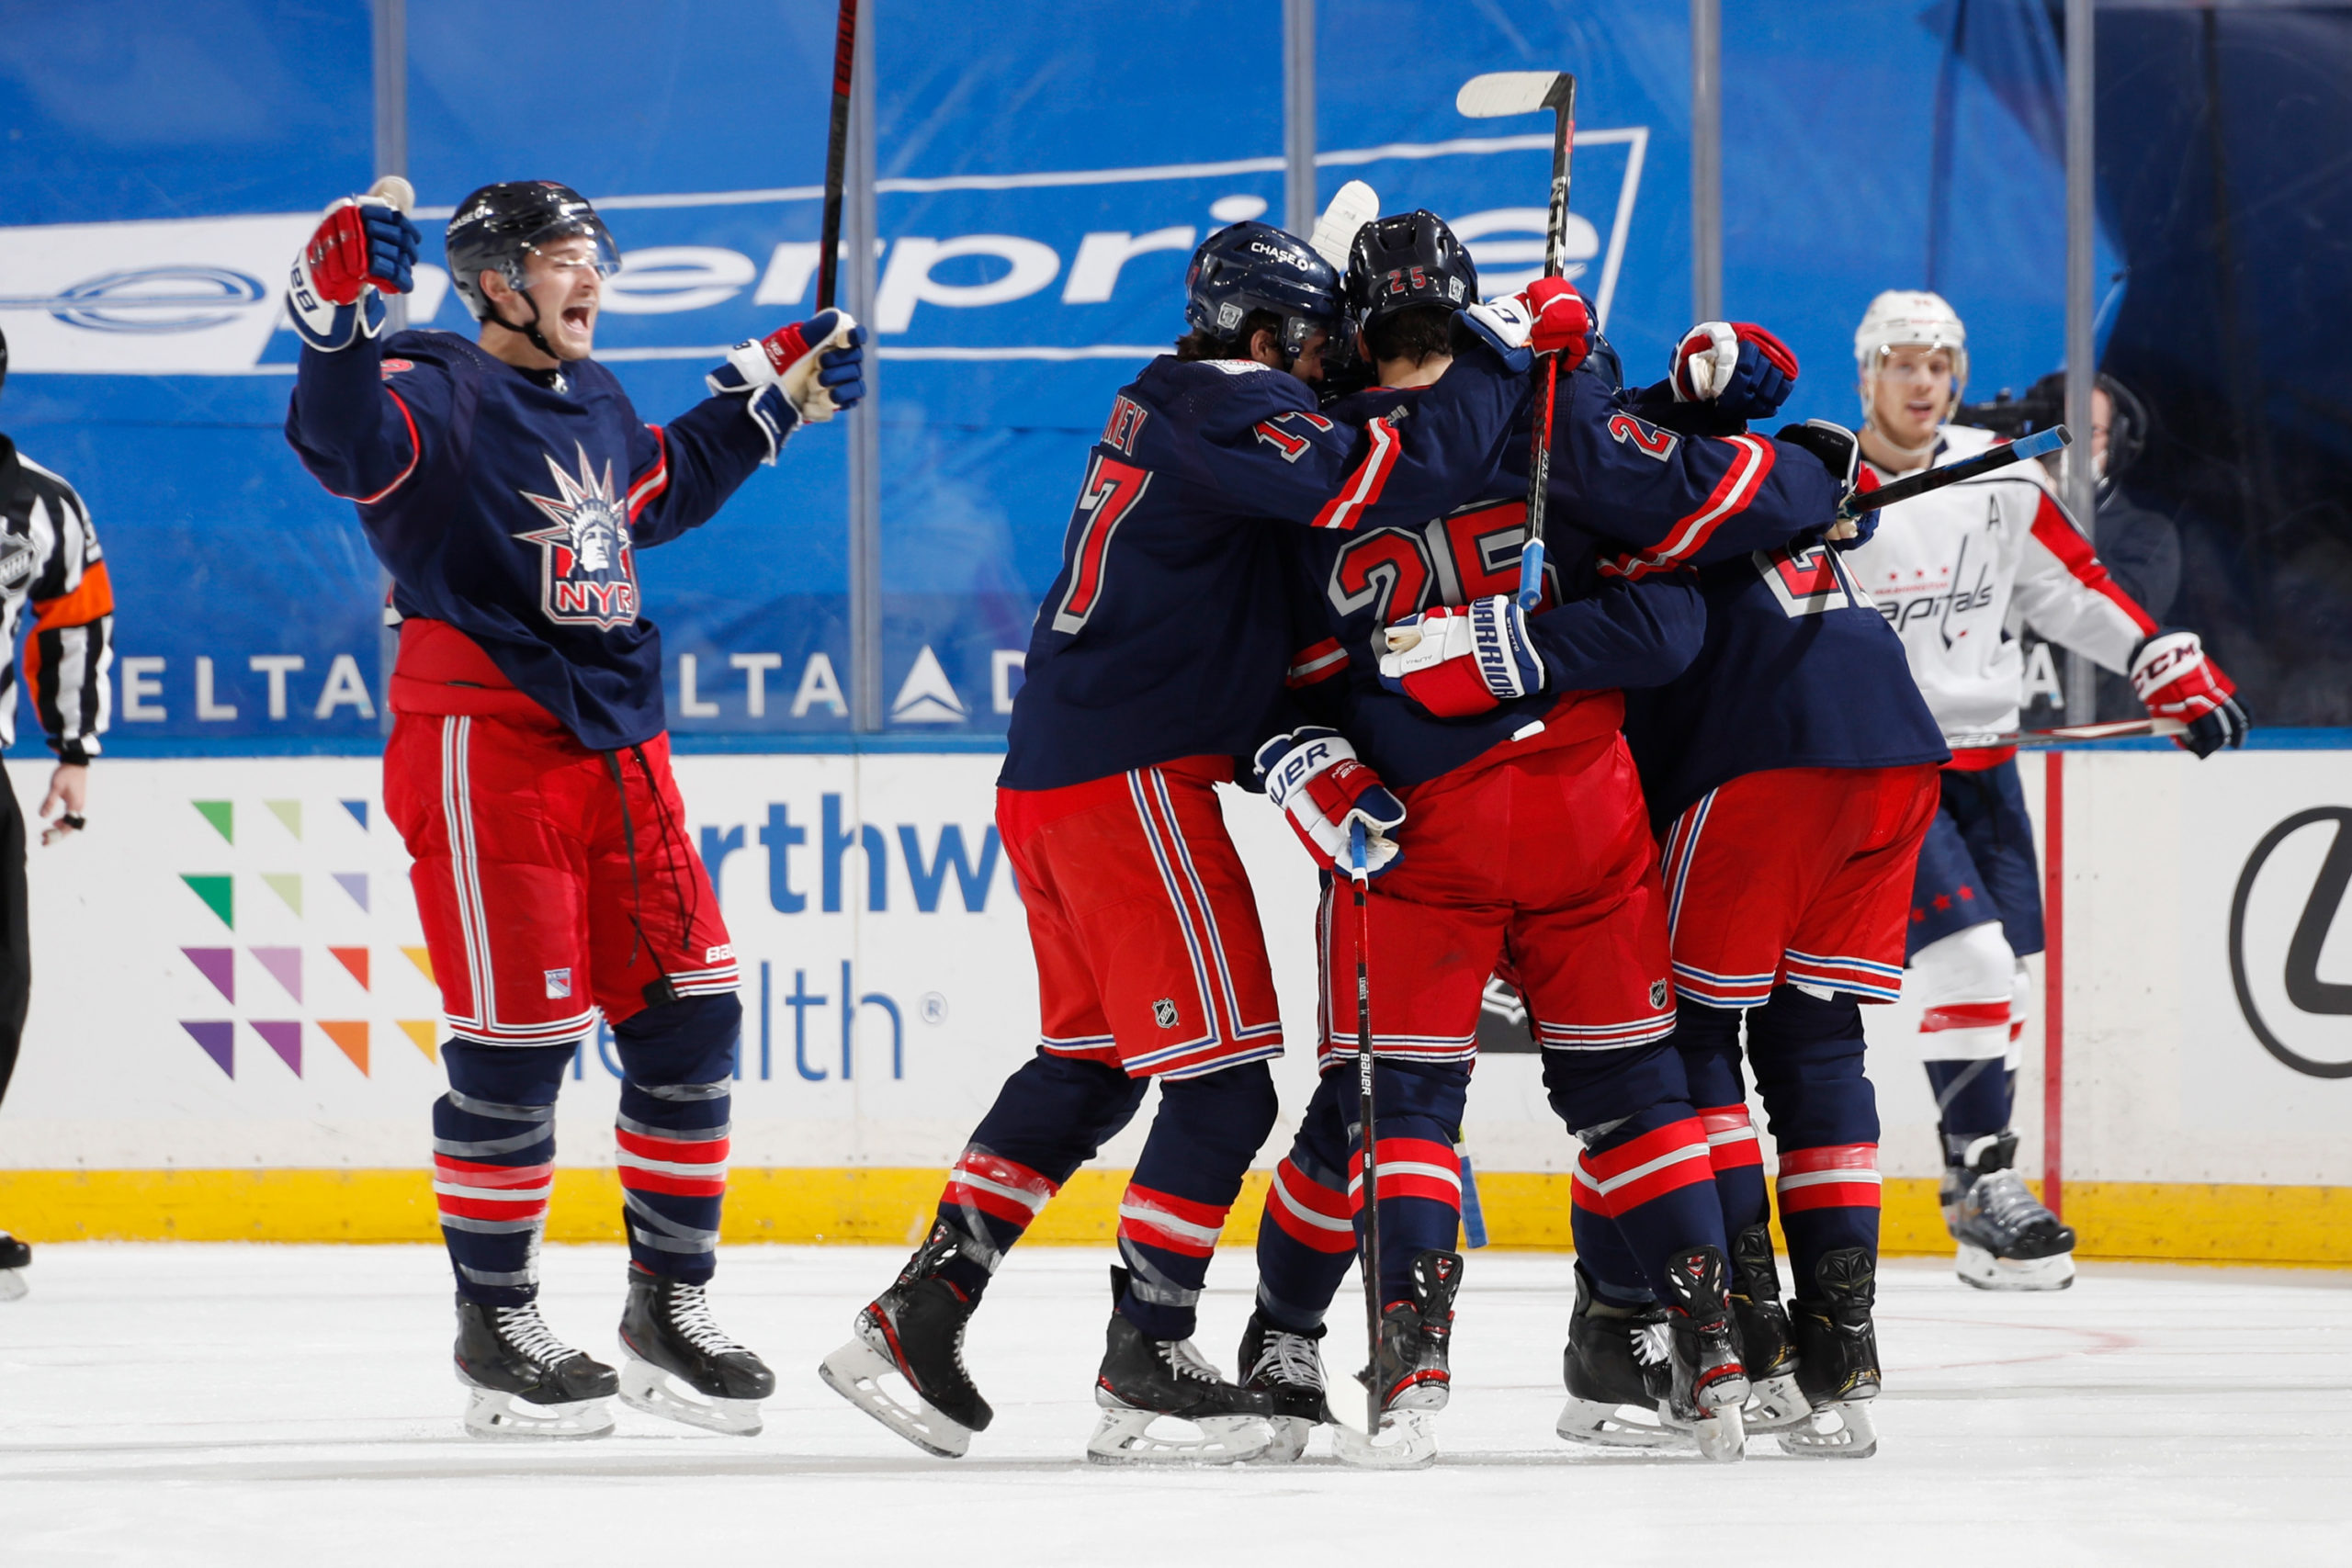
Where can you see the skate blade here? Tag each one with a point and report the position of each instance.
(1124, 1436)
(647, 1387)
(1775, 1403)
(1835, 1431)
(1406, 1441)
(1720, 1435)
(1618, 1427)
(1289, 1441)
(12, 1285)
(1977, 1267)
(856, 1371)
(505, 1417)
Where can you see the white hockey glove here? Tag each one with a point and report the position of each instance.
(1456, 662)
(1314, 775)
(363, 248)
(811, 370)
(2174, 679)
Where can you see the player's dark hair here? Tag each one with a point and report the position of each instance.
(1208, 345)
(1415, 333)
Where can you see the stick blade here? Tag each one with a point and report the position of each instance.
(1352, 205)
(1500, 93)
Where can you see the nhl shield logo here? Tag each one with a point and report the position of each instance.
(1164, 1013)
(587, 567)
(1657, 993)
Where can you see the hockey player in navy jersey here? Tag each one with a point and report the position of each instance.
(1158, 656)
(1527, 844)
(507, 485)
(1959, 574)
(1791, 773)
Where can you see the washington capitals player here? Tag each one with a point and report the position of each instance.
(1959, 574)
(1500, 730)
(1157, 656)
(507, 486)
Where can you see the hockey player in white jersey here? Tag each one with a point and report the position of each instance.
(1960, 573)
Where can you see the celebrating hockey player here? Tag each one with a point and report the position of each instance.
(56, 571)
(507, 486)
(1527, 842)
(1959, 574)
(1157, 656)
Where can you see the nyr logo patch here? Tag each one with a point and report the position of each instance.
(587, 567)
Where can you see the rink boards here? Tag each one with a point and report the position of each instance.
(233, 1031)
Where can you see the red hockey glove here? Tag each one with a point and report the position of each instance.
(1562, 321)
(364, 248)
(2174, 680)
(1737, 366)
(1456, 662)
(1313, 774)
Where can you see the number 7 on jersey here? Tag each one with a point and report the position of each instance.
(1110, 492)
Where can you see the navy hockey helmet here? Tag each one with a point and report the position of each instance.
(1411, 259)
(1256, 266)
(498, 225)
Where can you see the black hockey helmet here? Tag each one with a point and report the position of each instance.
(1256, 266)
(498, 225)
(1411, 259)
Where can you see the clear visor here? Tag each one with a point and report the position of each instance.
(557, 252)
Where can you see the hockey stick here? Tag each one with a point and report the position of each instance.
(829, 230)
(2036, 444)
(1371, 1189)
(1354, 204)
(2067, 734)
(1496, 94)
(1474, 1213)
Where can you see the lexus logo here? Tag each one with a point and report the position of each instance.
(2290, 897)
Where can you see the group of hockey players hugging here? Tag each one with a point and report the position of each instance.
(1746, 759)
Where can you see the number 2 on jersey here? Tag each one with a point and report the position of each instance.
(1110, 492)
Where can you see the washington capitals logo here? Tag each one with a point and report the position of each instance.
(587, 570)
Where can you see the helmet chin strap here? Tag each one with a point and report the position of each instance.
(531, 330)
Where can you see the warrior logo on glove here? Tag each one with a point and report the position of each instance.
(587, 570)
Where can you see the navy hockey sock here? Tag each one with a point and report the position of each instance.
(1807, 1053)
(677, 1067)
(1652, 1175)
(1051, 1117)
(1973, 1101)
(1207, 1131)
(1707, 1038)
(1418, 1109)
(1306, 1235)
(1617, 1279)
(493, 1163)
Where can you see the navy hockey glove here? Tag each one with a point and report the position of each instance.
(1313, 774)
(1737, 366)
(1460, 661)
(2174, 680)
(363, 248)
(811, 370)
(1842, 456)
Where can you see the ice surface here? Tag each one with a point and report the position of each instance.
(264, 1404)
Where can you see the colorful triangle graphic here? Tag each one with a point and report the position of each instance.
(289, 812)
(355, 960)
(287, 886)
(354, 882)
(220, 896)
(285, 966)
(218, 965)
(422, 958)
(424, 1034)
(350, 1037)
(221, 814)
(218, 1038)
(358, 809)
(283, 1037)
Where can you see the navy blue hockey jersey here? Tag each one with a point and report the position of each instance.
(1166, 633)
(1630, 503)
(513, 510)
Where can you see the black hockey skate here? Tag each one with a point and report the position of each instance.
(677, 1362)
(2007, 1240)
(914, 1331)
(1710, 1383)
(1289, 1367)
(525, 1382)
(1144, 1380)
(1409, 1373)
(15, 1258)
(1767, 1346)
(1619, 1369)
(1837, 1359)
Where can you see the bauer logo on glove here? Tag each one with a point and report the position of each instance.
(1457, 661)
(1314, 775)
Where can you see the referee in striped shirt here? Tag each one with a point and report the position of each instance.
(49, 565)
